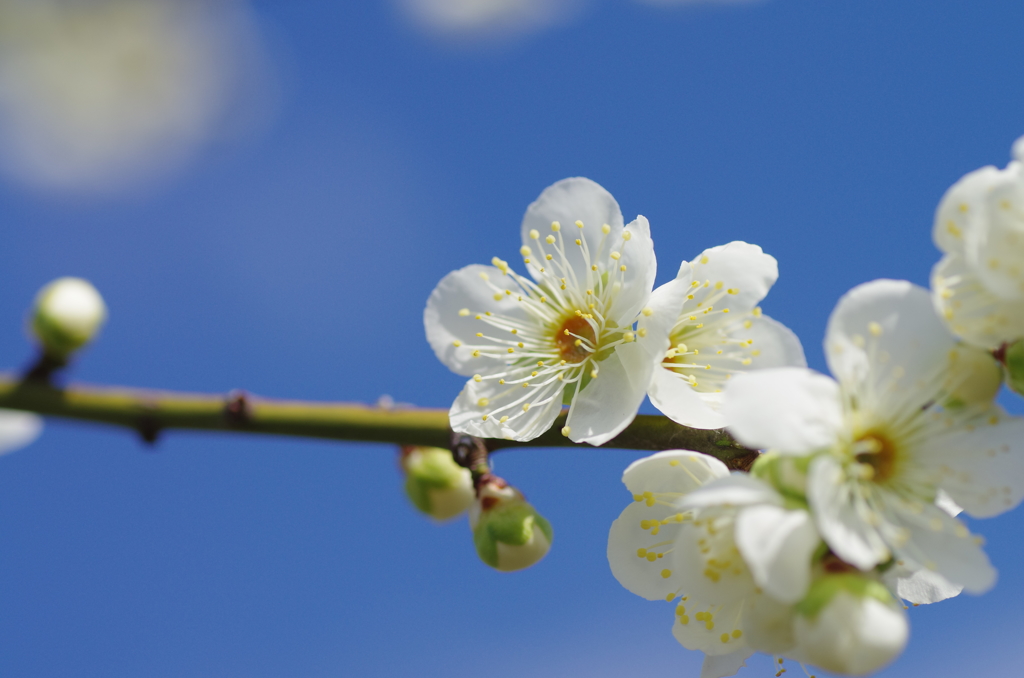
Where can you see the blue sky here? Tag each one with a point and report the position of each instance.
(296, 261)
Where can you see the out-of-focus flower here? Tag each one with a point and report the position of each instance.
(898, 427)
(434, 483)
(18, 429)
(476, 18)
(67, 315)
(508, 532)
(99, 94)
(567, 335)
(978, 286)
(720, 332)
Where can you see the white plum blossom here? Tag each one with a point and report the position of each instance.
(18, 429)
(978, 286)
(563, 335)
(726, 547)
(720, 332)
(908, 417)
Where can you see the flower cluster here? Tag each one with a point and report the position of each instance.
(586, 328)
(852, 507)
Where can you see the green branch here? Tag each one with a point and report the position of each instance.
(150, 412)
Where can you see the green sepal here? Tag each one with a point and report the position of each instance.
(1014, 366)
(824, 590)
(418, 493)
(486, 546)
(57, 340)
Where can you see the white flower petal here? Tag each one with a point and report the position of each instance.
(777, 545)
(610, 402)
(939, 542)
(489, 398)
(724, 665)
(737, 489)
(995, 242)
(706, 560)
(971, 311)
(451, 311)
(739, 266)
(789, 409)
(566, 202)
(768, 625)
(678, 471)
(18, 429)
(981, 467)
(633, 551)
(775, 344)
(661, 311)
(637, 255)
(698, 634)
(886, 345)
(960, 204)
(946, 503)
(678, 401)
(837, 511)
(919, 587)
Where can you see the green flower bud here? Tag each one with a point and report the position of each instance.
(67, 315)
(435, 484)
(508, 532)
(973, 377)
(1014, 361)
(849, 624)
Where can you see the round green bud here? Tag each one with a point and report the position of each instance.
(67, 315)
(849, 624)
(508, 532)
(435, 484)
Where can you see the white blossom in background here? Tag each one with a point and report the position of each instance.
(720, 332)
(469, 18)
(978, 285)
(96, 95)
(908, 417)
(727, 548)
(565, 334)
(18, 429)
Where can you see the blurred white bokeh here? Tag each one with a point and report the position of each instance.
(472, 18)
(99, 95)
(469, 19)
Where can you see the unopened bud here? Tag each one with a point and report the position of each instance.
(508, 532)
(67, 314)
(1013, 359)
(973, 378)
(849, 624)
(435, 484)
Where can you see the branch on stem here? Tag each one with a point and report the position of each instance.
(151, 412)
